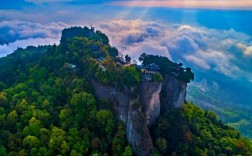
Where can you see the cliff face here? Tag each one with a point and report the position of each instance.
(149, 98)
(129, 111)
(120, 100)
(173, 93)
(144, 110)
(137, 131)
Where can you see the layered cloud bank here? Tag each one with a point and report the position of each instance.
(224, 51)
(15, 34)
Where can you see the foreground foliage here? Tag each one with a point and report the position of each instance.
(192, 131)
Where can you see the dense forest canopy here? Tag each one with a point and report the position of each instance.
(48, 107)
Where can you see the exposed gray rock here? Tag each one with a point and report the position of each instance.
(129, 111)
(173, 93)
(144, 110)
(149, 98)
(137, 131)
(120, 100)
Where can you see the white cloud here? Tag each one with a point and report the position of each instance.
(247, 50)
(7, 49)
(16, 34)
(197, 61)
(148, 47)
(20, 30)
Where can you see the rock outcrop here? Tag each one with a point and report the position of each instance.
(150, 100)
(143, 110)
(173, 93)
(138, 134)
(120, 100)
(129, 111)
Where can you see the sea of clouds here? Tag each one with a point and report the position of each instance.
(14, 34)
(221, 59)
(224, 51)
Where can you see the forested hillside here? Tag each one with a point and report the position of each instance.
(48, 106)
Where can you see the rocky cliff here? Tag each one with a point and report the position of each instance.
(150, 100)
(129, 111)
(142, 111)
(119, 99)
(173, 93)
(138, 134)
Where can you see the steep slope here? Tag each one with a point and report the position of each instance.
(128, 110)
(150, 100)
(173, 93)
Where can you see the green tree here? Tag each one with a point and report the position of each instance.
(33, 128)
(66, 118)
(12, 117)
(31, 141)
(127, 58)
(3, 151)
(3, 99)
(74, 153)
(119, 141)
(106, 122)
(128, 151)
(84, 107)
(57, 141)
(161, 143)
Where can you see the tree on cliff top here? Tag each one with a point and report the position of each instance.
(166, 67)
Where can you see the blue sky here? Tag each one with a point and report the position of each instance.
(225, 4)
(215, 41)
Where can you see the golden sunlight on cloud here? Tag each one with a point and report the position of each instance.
(247, 50)
(211, 4)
